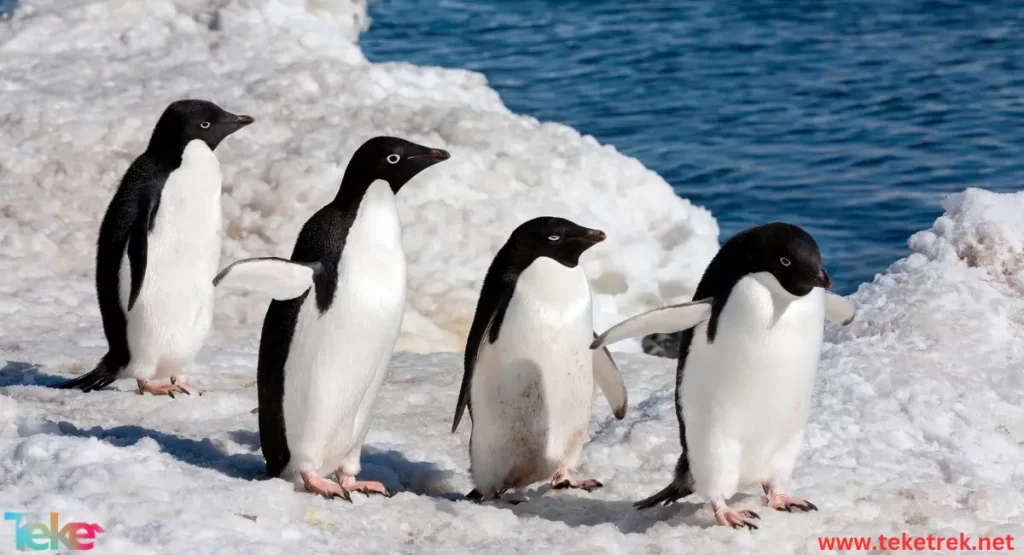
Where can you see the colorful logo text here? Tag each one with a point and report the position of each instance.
(37, 536)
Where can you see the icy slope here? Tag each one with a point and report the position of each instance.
(917, 426)
(83, 82)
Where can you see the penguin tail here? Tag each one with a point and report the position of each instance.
(670, 494)
(103, 375)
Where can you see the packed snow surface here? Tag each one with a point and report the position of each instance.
(917, 421)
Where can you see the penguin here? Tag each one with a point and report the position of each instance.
(158, 250)
(747, 362)
(329, 333)
(529, 374)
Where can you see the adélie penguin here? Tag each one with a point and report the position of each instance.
(158, 250)
(747, 362)
(329, 334)
(529, 372)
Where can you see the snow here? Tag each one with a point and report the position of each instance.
(84, 82)
(917, 422)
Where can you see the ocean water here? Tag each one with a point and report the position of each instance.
(850, 119)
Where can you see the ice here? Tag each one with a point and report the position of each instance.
(917, 421)
(84, 82)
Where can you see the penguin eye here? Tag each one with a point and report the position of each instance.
(393, 158)
(205, 125)
(784, 261)
(554, 237)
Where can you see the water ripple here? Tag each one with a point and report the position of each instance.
(850, 119)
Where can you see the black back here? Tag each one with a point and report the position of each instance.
(763, 248)
(130, 217)
(322, 240)
(555, 238)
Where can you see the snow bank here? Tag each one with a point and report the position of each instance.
(82, 84)
(917, 427)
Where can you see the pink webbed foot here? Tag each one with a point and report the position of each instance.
(349, 483)
(731, 517)
(561, 480)
(781, 501)
(182, 381)
(169, 390)
(324, 487)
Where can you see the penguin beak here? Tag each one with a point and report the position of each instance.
(230, 122)
(589, 237)
(433, 154)
(822, 279)
(594, 236)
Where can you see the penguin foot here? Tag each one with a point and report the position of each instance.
(349, 483)
(181, 380)
(329, 489)
(733, 518)
(585, 485)
(169, 390)
(561, 480)
(783, 502)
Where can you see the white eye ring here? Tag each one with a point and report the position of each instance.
(393, 158)
(553, 237)
(784, 261)
(205, 125)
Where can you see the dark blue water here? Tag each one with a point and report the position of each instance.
(851, 119)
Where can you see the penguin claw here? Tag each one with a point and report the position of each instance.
(735, 519)
(783, 502)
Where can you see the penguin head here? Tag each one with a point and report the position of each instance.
(790, 255)
(187, 120)
(393, 160)
(555, 238)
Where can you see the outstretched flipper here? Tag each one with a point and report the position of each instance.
(660, 320)
(280, 278)
(138, 245)
(609, 379)
(838, 310)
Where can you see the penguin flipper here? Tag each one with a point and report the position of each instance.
(279, 278)
(609, 379)
(667, 319)
(495, 296)
(138, 246)
(838, 310)
(475, 344)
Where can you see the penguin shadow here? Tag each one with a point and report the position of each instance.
(202, 453)
(399, 474)
(26, 373)
(577, 510)
(389, 467)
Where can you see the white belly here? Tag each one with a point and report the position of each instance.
(174, 311)
(533, 389)
(745, 396)
(337, 361)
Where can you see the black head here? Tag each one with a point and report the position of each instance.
(187, 120)
(391, 159)
(555, 238)
(788, 253)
